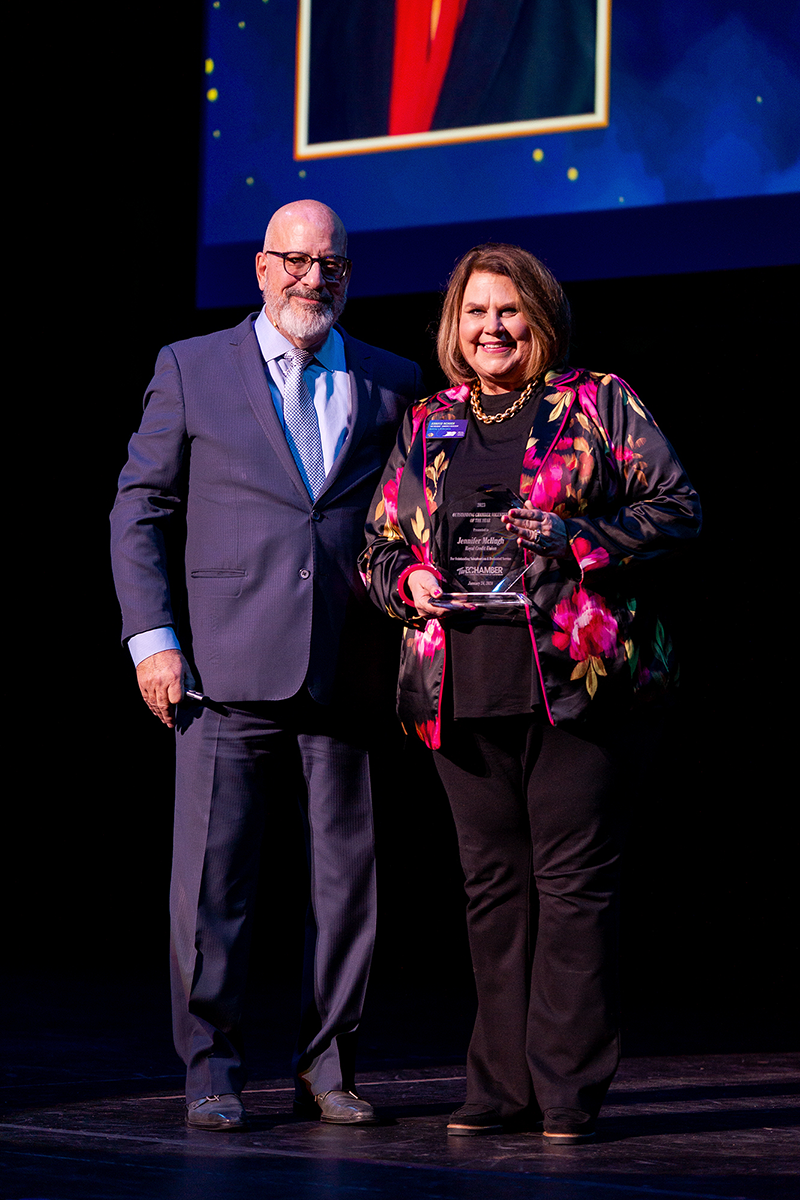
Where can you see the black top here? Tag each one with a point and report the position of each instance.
(491, 654)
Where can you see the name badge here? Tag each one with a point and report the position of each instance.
(445, 429)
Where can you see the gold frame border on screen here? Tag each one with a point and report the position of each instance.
(445, 137)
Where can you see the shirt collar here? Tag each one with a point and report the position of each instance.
(330, 354)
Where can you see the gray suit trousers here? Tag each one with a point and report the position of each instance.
(233, 761)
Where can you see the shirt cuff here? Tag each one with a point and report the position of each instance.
(142, 645)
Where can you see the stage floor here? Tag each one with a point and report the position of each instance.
(722, 1125)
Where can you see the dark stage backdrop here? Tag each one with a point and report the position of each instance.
(707, 937)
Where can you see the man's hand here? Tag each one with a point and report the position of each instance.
(163, 679)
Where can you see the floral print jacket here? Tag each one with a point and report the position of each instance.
(594, 456)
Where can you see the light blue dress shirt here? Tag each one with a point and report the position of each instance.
(328, 381)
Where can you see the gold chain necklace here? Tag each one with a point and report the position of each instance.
(477, 408)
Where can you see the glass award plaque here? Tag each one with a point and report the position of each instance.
(482, 562)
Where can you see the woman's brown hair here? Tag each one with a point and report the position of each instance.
(541, 302)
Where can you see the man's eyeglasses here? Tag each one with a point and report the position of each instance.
(333, 267)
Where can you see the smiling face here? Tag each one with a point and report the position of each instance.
(494, 336)
(303, 310)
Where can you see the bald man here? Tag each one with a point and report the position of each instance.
(235, 535)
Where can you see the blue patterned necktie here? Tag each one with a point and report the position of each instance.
(301, 420)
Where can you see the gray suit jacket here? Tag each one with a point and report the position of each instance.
(214, 533)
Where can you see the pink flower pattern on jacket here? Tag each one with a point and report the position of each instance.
(459, 393)
(587, 627)
(423, 554)
(428, 640)
(418, 414)
(588, 630)
(548, 485)
(430, 732)
(586, 393)
(589, 558)
(390, 498)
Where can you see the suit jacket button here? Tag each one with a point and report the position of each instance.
(303, 573)
(316, 516)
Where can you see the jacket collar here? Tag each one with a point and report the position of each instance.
(254, 379)
(551, 416)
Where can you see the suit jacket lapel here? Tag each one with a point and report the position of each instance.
(253, 374)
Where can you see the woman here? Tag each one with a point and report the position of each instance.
(529, 709)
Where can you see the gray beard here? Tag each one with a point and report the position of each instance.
(302, 323)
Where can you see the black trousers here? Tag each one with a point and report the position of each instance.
(233, 762)
(536, 812)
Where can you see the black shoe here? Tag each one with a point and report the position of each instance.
(566, 1126)
(473, 1119)
(216, 1112)
(337, 1108)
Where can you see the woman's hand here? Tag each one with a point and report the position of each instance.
(542, 532)
(424, 588)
